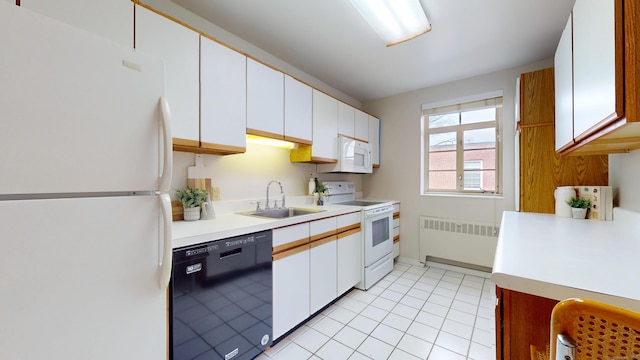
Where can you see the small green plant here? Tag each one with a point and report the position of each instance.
(578, 202)
(190, 197)
(320, 188)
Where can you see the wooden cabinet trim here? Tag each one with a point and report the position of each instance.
(297, 140)
(344, 234)
(323, 241)
(222, 149)
(290, 252)
(396, 215)
(290, 245)
(322, 235)
(396, 239)
(348, 228)
(265, 134)
(185, 142)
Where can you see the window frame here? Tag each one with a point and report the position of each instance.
(492, 100)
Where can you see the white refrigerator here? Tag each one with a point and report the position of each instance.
(85, 224)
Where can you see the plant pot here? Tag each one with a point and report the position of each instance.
(192, 214)
(579, 213)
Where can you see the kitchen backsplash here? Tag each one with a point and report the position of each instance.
(245, 176)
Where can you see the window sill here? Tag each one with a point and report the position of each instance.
(465, 195)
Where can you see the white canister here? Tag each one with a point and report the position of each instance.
(562, 195)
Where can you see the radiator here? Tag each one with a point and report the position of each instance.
(458, 242)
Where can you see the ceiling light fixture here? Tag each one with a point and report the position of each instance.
(395, 21)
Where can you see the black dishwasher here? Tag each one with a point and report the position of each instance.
(221, 299)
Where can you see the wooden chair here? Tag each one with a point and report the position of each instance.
(598, 330)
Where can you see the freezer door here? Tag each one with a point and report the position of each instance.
(79, 279)
(79, 113)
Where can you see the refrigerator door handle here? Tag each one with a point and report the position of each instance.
(167, 168)
(164, 263)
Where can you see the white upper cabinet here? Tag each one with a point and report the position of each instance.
(111, 19)
(374, 140)
(346, 120)
(325, 127)
(265, 100)
(179, 46)
(563, 73)
(594, 64)
(362, 126)
(223, 98)
(298, 108)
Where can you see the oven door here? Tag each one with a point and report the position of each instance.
(378, 234)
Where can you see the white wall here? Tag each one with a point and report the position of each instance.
(399, 174)
(245, 176)
(624, 177)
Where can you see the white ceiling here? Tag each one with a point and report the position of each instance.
(329, 40)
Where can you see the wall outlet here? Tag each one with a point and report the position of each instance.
(215, 193)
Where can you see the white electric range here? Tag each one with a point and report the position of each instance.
(377, 228)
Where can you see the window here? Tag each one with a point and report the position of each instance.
(461, 149)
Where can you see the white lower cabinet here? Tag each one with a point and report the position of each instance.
(290, 277)
(323, 274)
(349, 252)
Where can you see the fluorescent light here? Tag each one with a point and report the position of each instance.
(254, 139)
(394, 21)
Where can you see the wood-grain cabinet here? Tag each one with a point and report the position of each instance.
(597, 88)
(522, 320)
(179, 46)
(541, 168)
(110, 19)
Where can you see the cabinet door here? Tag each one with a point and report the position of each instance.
(223, 98)
(323, 273)
(346, 120)
(362, 126)
(179, 46)
(349, 260)
(374, 140)
(594, 64)
(563, 73)
(290, 292)
(297, 111)
(110, 19)
(290, 278)
(325, 126)
(265, 100)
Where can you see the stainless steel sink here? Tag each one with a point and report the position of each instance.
(280, 213)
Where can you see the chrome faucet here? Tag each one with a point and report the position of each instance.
(281, 193)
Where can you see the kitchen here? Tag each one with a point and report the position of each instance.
(245, 176)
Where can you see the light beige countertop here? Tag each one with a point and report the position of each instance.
(559, 258)
(229, 224)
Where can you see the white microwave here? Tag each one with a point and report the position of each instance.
(353, 157)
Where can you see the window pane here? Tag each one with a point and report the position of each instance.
(436, 121)
(472, 175)
(480, 138)
(442, 180)
(476, 116)
(442, 141)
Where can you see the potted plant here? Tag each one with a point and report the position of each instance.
(191, 200)
(320, 190)
(579, 207)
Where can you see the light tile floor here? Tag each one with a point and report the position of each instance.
(415, 312)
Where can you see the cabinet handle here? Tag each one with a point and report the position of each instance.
(167, 165)
(164, 261)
